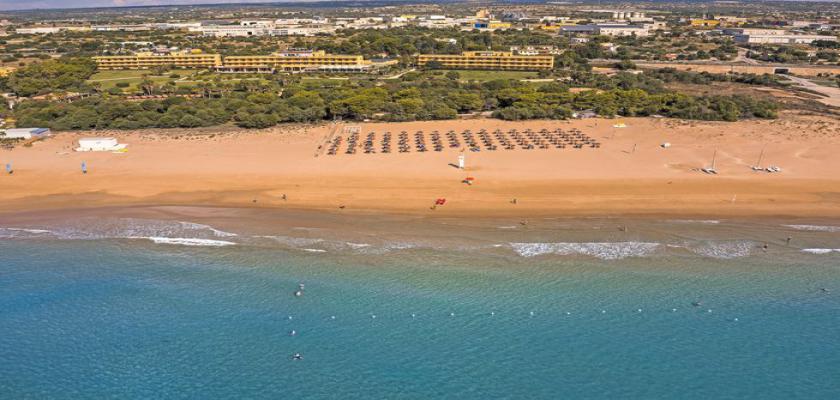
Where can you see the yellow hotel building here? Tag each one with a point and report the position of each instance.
(296, 60)
(704, 23)
(494, 60)
(150, 60)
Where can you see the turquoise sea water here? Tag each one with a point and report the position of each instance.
(115, 317)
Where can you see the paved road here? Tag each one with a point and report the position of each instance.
(398, 76)
(832, 94)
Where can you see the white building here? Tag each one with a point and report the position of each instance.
(782, 39)
(621, 30)
(302, 31)
(99, 144)
(257, 22)
(535, 50)
(41, 30)
(438, 22)
(45, 30)
(301, 21)
(231, 30)
(176, 25)
(121, 28)
(24, 133)
(754, 31)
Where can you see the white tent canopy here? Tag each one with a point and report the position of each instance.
(99, 144)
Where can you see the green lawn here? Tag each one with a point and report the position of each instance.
(483, 75)
(109, 79)
(117, 74)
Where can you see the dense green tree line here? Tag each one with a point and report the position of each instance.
(51, 76)
(703, 78)
(417, 96)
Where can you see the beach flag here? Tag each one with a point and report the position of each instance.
(8, 168)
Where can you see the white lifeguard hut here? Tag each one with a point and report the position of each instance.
(100, 144)
(461, 161)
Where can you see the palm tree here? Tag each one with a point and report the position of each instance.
(148, 86)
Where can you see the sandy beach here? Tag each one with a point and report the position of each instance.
(630, 174)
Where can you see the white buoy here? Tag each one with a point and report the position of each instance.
(673, 310)
(293, 332)
(452, 314)
(413, 315)
(709, 310)
(332, 317)
(290, 317)
(492, 313)
(568, 313)
(373, 316)
(639, 310)
(736, 319)
(532, 313)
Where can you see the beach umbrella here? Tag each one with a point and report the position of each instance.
(8, 168)
(84, 167)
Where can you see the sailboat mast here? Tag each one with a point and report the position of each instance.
(760, 156)
(714, 157)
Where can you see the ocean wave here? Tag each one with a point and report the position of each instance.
(602, 250)
(197, 226)
(821, 251)
(157, 231)
(29, 230)
(695, 221)
(308, 250)
(372, 249)
(122, 228)
(814, 228)
(723, 249)
(186, 241)
(292, 241)
(22, 233)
